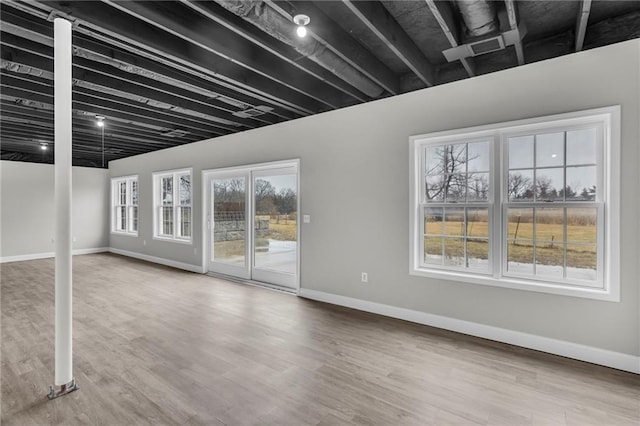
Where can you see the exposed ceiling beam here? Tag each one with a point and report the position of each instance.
(106, 63)
(93, 103)
(124, 31)
(512, 13)
(81, 118)
(111, 142)
(256, 36)
(581, 24)
(131, 87)
(381, 23)
(227, 45)
(12, 115)
(340, 42)
(444, 15)
(613, 30)
(16, 27)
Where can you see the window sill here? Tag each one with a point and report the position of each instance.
(516, 284)
(173, 240)
(126, 234)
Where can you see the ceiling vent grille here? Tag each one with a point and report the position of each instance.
(253, 112)
(175, 133)
(486, 46)
(489, 44)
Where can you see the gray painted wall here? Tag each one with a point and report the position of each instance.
(28, 221)
(354, 184)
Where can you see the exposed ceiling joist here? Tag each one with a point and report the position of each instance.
(223, 14)
(444, 15)
(19, 36)
(327, 32)
(512, 13)
(123, 30)
(176, 71)
(120, 86)
(85, 124)
(228, 46)
(382, 24)
(581, 23)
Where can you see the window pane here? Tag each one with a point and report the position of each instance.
(478, 222)
(229, 221)
(185, 189)
(549, 184)
(167, 190)
(582, 225)
(454, 251)
(520, 256)
(550, 225)
(185, 222)
(478, 186)
(478, 254)
(521, 185)
(435, 188)
(123, 192)
(434, 173)
(520, 224)
(581, 262)
(134, 219)
(581, 147)
(433, 250)
(119, 212)
(134, 192)
(433, 221)
(122, 225)
(454, 221)
(521, 152)
(581, 183)
(550, 150)
(550, 259)
(478, 157)
(434, 159)
(455, 187)
(166, 225)
(455, 159)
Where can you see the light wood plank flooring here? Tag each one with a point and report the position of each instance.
(154, 345)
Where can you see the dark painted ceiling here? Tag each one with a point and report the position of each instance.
(166, 73)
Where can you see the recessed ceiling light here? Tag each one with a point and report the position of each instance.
(100, 121)
(43, 146)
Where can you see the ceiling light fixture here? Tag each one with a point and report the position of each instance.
(100, 124)
(301, 21)
(43, 146)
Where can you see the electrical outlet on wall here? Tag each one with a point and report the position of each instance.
(365, 277)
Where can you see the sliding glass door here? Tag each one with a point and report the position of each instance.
(275, 243)
(253, 223)
(227, 227)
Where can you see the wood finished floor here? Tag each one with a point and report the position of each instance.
(154, 345)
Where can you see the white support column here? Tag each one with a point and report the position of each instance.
(63, 237)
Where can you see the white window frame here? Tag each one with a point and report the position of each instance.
(128, 205)
(607, 203)
(176, 206)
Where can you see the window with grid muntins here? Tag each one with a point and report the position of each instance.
(172, 192)
(124, 195)
(528, 204)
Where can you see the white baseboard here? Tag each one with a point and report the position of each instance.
(577, 351)
(162, 261)
(47, 255)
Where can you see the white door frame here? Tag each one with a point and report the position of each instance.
(209, 174)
